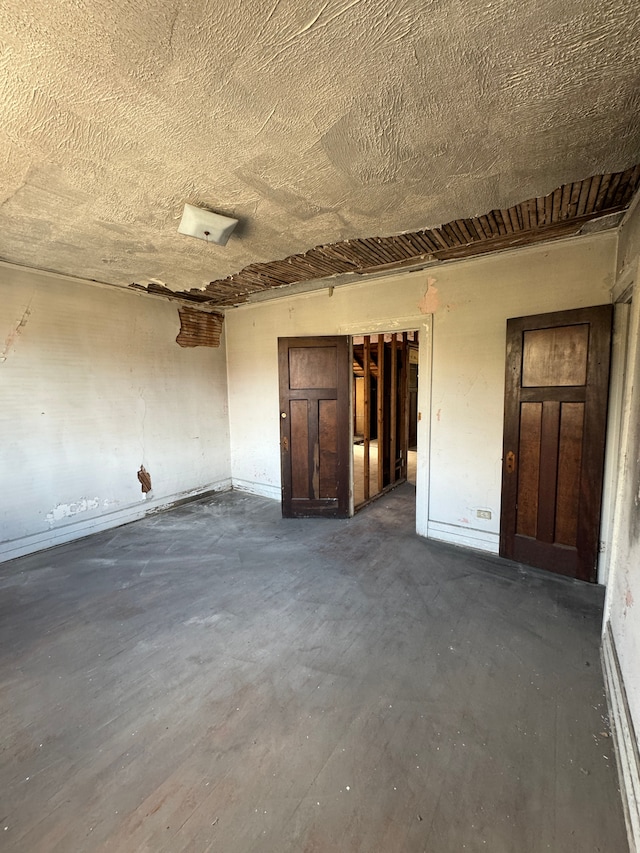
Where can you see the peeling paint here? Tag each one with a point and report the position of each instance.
(62, 511)
(431, 300)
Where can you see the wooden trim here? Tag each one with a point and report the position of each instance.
(624, 737)
(380, 407)
(404, 408)
(600, 337)
(393, 411)
(510, 437)
(367, 414)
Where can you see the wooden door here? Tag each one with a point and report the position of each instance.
(315, 384)
(554, 434)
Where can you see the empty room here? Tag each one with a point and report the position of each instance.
(320, 427)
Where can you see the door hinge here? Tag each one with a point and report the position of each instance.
(510, 462)
(285, 444)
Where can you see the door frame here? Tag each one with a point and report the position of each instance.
(424, 326)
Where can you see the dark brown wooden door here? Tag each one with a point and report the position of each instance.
(315, 384)
(554, 433)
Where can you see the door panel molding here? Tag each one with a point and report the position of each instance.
(566, 459)
(314, 426)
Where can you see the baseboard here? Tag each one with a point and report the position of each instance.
(482, 540)
(624, 738)
(10, 550)
(262, 489)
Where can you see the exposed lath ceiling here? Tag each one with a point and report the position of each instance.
(562, 213)
(312, 123)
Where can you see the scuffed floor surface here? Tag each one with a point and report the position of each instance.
(220, 679)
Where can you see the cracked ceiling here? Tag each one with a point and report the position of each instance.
(311, 123)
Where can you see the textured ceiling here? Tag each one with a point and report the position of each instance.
(311, 123)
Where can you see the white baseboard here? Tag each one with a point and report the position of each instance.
(11, 549)
(625, 742)
(264, 490)
(482, 540)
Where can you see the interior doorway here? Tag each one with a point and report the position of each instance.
(385, 413)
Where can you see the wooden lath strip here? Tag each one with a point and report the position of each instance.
(583, 198)
(502, 229)
(611, 192)
(493, 223)
(466, 226)
(575, 196)
(452, 236)
(565, 201)
(602, 192)
(523, 238)
(426, 240)
(593, 193)
(560, 212)
(440, 237)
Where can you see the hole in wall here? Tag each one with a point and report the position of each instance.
(144, 477)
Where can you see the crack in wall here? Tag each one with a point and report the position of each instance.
(15, 333)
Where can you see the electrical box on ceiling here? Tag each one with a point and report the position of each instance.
(205, 225)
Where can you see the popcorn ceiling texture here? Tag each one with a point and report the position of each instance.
(309, 122)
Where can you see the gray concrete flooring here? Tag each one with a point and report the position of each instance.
(217, 678)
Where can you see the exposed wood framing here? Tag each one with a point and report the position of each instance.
(404, 410)
(559, 214)
(367, 416)
(380, 411)
(393, 412)
(199, 328)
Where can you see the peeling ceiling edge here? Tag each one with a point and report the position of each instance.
(561, 213)
(51, 273)
(302, 288)
(633, 204)
(205, 307)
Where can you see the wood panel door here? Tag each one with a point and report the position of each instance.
(315, 384)
(556, 391)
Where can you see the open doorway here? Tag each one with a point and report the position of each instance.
(385, 413)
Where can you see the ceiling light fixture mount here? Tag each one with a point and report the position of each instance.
(206, 225)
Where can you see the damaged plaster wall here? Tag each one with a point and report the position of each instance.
(623, 594)
(95, 387)
(462, 409)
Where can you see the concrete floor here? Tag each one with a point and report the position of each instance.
(219, 679)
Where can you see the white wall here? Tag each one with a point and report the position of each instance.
(622, 609)
(460, 442)
(93, 385)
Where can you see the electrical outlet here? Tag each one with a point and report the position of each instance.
(483, 513)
